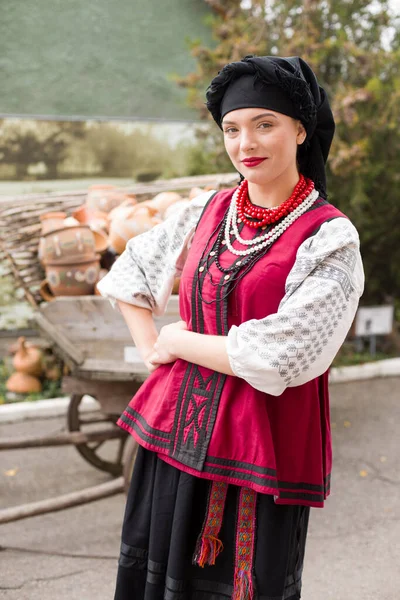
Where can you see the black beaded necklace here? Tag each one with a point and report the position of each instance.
(234, 273)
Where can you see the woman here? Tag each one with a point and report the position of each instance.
(233, 421)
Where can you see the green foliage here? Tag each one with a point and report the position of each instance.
(50, 389)
(102, 149)
(26, 143)
(346, 43)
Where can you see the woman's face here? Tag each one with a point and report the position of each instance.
(262, 144)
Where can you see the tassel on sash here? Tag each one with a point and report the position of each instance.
(243, 588)
(208, 544)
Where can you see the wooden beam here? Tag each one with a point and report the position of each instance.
(61, 439)
(61, 502)
(57, 336)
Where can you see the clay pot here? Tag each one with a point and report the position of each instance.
(175, 288)
(22, 383)
(123, 211)
(73, 279)
(91, 216)
(53, 373)
(52, 220)
(194, 192)
(45, 291)
(28, 359)
(102, 273)
(123, 230)
(70, 244)
(176, 207)
(100, 240)
(164, 199)
(41, 247)
(104, 197)
(70, 222)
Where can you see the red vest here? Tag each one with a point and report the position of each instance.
(218, 426)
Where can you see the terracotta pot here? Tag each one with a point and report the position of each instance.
(70, 222)
(122, 211)
(123, 230)
(52, 220)
(176, 207)
(175, 288)
(45, 291)
(53, 373)
(104, 197)
(70, 244)
(102, 273)
(73, 279)
(41, 247)
(100, 240)
(28, 359)
(164, 199)
(194, 192)
(22, 383)
(91, 216)
(146, 208)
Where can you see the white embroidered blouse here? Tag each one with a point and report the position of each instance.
(285, 349)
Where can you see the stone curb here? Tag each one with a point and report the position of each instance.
(57, 407)
(42, 409)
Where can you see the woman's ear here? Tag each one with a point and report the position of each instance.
(301, 133)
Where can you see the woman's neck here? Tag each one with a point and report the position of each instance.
(273, 193)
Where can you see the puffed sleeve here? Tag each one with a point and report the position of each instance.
(144, 273)
(300, 340)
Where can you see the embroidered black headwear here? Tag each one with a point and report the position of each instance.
(303, 98)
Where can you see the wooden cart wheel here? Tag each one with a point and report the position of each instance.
(93, 452)
(129, 461)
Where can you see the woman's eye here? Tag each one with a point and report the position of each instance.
(230, 130)
(265, 125)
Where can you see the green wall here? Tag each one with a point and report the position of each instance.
(97, 58)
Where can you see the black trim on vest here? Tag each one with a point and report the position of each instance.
(205, 208)
(143, 434)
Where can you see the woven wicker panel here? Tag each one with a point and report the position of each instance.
(20, 224)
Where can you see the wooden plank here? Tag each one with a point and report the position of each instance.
(64, 438)
(57, 336)
(111, 370)
(112, 395)
(61, 502)
(88, 319)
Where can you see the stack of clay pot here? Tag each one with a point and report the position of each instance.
(67, 251)
(71, 247)
(28, 367)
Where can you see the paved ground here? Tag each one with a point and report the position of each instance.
(353, 547)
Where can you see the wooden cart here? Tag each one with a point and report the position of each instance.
(94, 342)
(90, 337)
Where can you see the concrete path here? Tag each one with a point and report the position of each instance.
(353, 546)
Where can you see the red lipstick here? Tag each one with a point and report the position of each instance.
(253, 161)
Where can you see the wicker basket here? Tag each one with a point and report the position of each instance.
(20, 226)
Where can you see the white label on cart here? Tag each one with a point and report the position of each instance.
(131, 355)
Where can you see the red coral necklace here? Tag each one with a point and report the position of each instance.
(265, 216)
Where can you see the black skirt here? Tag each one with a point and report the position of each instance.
(164, 515)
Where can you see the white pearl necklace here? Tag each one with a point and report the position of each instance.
(268, 238)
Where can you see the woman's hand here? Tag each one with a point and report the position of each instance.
(165, 348)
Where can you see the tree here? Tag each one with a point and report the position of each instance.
(19, 148)
(56, 141)
(347, 45)
(26, 143)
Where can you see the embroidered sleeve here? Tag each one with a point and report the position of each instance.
(144, 273)
(299, 341)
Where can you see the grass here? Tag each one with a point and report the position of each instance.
(349, 356)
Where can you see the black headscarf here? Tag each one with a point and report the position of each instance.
(303, 98)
